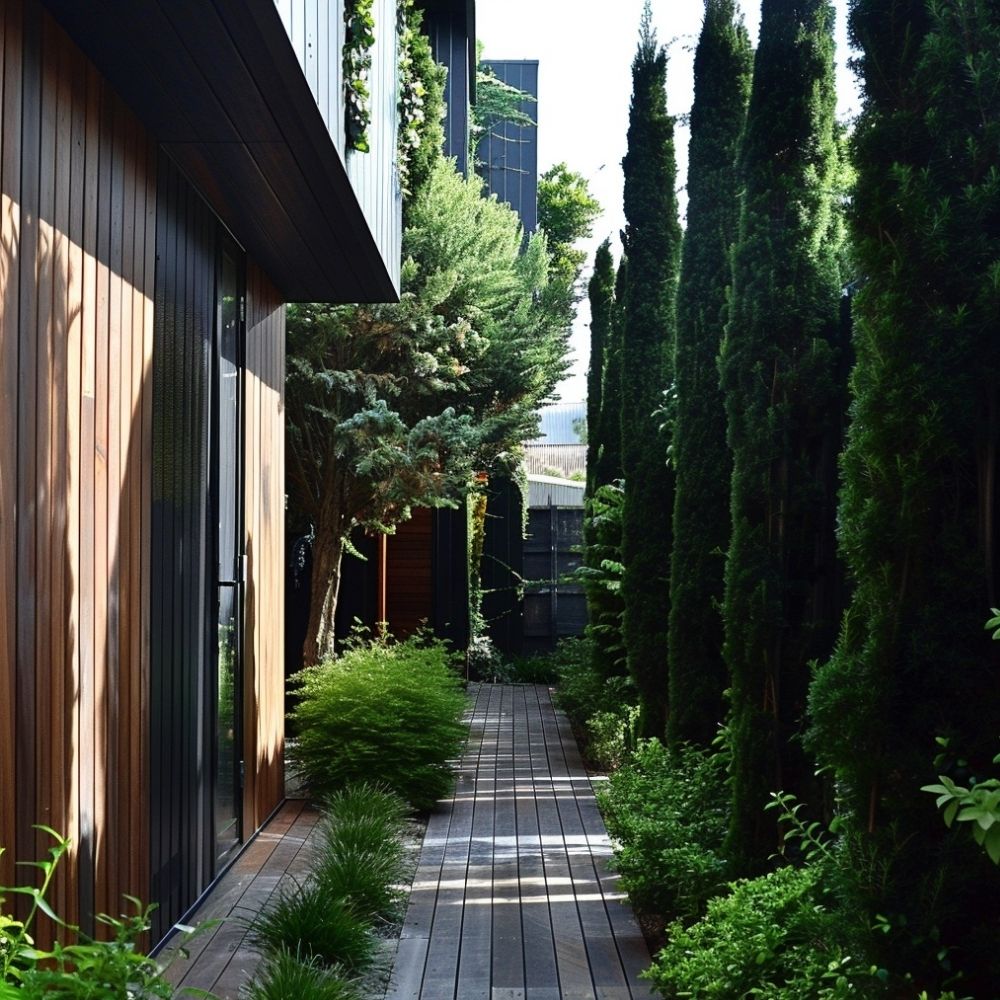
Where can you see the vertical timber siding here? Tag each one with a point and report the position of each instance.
(264, 665)
(182, 842)
(76, 279)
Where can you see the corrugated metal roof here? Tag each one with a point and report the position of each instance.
(556, 423)
(550, 491)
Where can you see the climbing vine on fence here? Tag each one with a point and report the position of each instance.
(359, 38)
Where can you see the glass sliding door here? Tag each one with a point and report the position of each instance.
(228, 465)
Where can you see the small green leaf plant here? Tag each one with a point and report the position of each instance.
(978, 803)
(76, 966)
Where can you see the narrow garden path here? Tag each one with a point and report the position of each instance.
(512, 898)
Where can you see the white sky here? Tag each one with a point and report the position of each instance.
(585, 49)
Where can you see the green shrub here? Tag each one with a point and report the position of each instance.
(76, 966)
(361, 859)
(486, 662)
(611, 737)
(308, 921)
(666, 813)
(771, 937)
(582, 691)
(285, 975)
(537, 668)
(384, 712)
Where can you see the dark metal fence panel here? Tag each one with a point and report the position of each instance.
(554, 608)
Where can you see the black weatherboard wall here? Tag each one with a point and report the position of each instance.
(451, 28)
(182, 857)
(509, 153)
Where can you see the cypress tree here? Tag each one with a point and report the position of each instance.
(778, 370)
(652, 242)
(722, 65)
(918, 503)
(600, 291)
(609, 462)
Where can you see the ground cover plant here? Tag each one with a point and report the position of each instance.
(76, 965)
(666, 811)
(383, 711)
(773, 936)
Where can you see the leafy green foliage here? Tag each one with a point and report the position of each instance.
(284, 974)
(979, 804)
(601, 576)
(582, 690)
(772, 937)
(784, 406)
(384, 712)
(700, 453)
(421, 105)
(359, 38)
(391, 406)
(652, 242)
(566, 214)
(666, 812)
(75, 966)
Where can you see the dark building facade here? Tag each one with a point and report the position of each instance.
(507, 154)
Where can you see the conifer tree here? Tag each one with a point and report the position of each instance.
(722, 65)
(778, 376)
(652, 242)
(917, 506)
(609, 462)
(600, 290)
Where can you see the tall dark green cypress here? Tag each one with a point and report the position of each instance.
(601, 292)
(778, 368)
(722, 66)
(609, 464)
(919, 498)
(652, 242)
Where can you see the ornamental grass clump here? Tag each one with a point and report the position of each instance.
(287, 974)
(361, 857)
(306, 920)
(385, 712)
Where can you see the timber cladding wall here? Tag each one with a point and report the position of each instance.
(108, 637)
(264, 669)
(76, 337)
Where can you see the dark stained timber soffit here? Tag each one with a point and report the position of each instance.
(218, 85)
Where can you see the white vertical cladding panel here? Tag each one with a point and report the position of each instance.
(316, 29)
(374, 175)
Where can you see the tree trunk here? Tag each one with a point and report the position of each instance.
(328, 551)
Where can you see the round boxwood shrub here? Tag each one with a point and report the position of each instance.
(384, 712)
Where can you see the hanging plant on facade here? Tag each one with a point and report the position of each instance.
(411, 94)
(359, 21)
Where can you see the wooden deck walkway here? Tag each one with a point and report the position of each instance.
(222, 959)
(513, 899)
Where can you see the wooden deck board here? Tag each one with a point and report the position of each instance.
(514, 899)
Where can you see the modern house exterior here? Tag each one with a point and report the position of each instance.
(172, 174)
